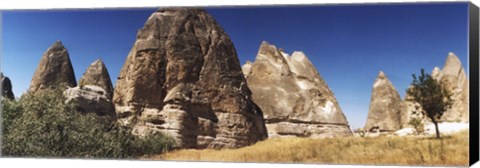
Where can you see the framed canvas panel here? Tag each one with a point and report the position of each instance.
(391, 84)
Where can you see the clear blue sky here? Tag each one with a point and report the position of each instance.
(348, 44)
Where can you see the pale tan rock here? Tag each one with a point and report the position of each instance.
(385, 111)
(453, 76)
(54, 70)
(182, 77)
(295, 100)
(97, 75)
(90, 99)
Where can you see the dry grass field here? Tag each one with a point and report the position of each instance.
(450, 150)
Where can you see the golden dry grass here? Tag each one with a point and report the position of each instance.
(451, 151)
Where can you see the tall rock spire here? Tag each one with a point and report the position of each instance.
(182, 77)
(294, 98)
(455, 78)
(97, 74)
(385, 108)
(54, 69)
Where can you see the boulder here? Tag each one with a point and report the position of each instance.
(406, 132)
(182, 77)
(294, 98)
(54, 70)
(90, 99)
(97, 74)
(385, 111)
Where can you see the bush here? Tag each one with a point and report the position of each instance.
(417, 124)
(43, 125)
(10, 111)
(416, 121)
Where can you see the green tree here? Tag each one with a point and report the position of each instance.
(432, 96)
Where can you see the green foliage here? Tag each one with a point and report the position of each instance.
(43, 125)
(361, 132)
(431, 95)
(417, 124)
(10, 112)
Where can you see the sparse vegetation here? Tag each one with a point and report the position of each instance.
(432, 96)
(450, 151)
(360, 131)
(416, 121)
(43, 125)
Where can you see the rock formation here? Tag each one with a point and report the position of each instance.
(454, 77)
(385, 106)
(408, 108)
(182, 77)
(54, 69)
(294, 98)
(97, 74)
(6, 87)
(90, 99)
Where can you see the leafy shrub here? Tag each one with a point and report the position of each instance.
(43, 125)
(417, 124)
(10, 111)
(416, 121)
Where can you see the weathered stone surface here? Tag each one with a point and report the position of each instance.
(97, 74)
(54, 70)
(182, 77)
(408, 108)
(454, 77)
(90, 99)
(247, 68)
(294, 98)
(385, 106)
(6, 87)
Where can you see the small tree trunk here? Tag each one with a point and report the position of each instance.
(436, 129)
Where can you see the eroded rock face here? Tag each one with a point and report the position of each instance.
(6, 87)
(97, 75)
(385, 111)
(54, 70)
(454, 77)
(408, 108)
(182, 77)
(294, 98)
(91, 99)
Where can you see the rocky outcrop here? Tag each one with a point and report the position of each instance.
(385, 111)
(453, 76)
(409, 112)
(54, 70)
(97, 75)
(90, 99)
(182, 77)
(6, 87)
(294, 98)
